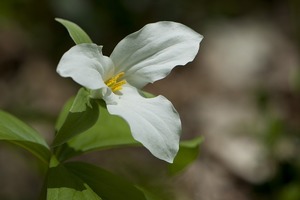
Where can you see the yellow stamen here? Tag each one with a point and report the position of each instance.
(115, 83)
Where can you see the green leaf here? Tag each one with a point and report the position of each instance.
(15, 131)
(188, 152)
(83, 115)
(108, 132)
(107, 185)
(77, 34)
(63, 184)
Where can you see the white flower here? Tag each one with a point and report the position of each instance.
(140, 58)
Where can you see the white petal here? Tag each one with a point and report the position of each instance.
(86, 65)
(153, 121)
(152, 52)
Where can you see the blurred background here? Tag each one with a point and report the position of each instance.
(242, 92)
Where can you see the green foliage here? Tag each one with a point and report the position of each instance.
(82, 115)
(15, 131)
(107, 185)
(103, 135)
(82, 181)
(78, 35)
(63, 184)
(188, 153)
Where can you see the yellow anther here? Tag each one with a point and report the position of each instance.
(114, 83)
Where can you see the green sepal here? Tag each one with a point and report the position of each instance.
(78, 35)
(81, 116)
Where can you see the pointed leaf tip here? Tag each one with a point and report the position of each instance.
(78, 35)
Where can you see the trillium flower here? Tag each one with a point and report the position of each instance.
(140, 58)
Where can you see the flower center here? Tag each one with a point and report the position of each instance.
(114, 83)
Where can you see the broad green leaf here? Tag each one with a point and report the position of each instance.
(63, 184)
(15, 131)
(188, 152)
(107, 185)
(83, 115)
(108, 132)
(77, 34)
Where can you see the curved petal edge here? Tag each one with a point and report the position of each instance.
(152, 52)
(153, 121)
(86, 65)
